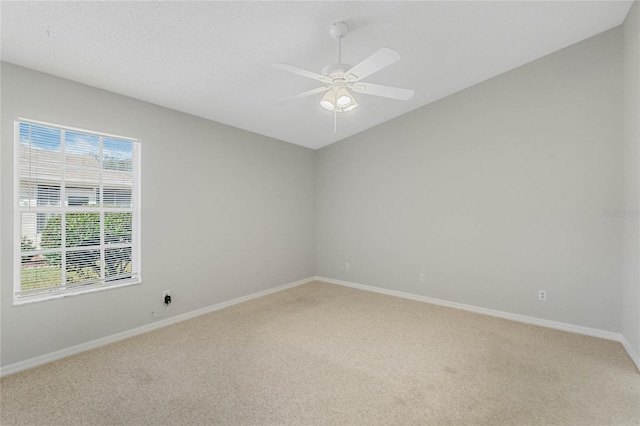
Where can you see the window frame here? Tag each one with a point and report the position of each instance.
(65, 289)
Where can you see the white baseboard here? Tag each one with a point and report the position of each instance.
(632, 354)
(73, 350)
(594, 332)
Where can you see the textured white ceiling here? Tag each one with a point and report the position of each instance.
(213, 59)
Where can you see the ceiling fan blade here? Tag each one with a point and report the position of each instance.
(304, 94)
(384, 91)
(303, 72)
(374, 63)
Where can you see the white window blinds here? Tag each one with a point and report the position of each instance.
(77, 211)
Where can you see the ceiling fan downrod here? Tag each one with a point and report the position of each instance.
(337, 31)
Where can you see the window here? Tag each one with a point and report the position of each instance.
(47, 196)
(77, 211)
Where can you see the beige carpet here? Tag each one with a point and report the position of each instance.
(324, 354)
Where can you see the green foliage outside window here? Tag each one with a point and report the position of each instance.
(83, 230)
(26, 244)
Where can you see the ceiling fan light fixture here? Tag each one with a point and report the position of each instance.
(328, 101)
(343, 98)
(327, 105)
(338, 100)
(343, 101)
(352, 106)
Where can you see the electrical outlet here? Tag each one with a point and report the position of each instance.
(166, 293)
(422, 276)
(542, 294)
(347, 267)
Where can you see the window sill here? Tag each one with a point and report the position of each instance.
(49, 296)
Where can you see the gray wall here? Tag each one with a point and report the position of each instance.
(631, 288)
(225, 213)
(494, 192)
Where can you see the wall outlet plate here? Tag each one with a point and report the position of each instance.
(542, 294)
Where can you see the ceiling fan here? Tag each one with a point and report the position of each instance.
(341, 79)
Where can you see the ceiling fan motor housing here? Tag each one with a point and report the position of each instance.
(336, 70)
